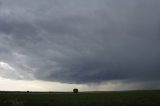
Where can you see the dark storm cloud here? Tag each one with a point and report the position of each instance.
(82, 41)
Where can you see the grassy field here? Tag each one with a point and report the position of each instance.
(127, 98)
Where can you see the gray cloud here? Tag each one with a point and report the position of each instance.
(82, 41)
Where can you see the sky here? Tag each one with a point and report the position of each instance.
(98, 45)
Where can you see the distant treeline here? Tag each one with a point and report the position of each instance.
(33, 92)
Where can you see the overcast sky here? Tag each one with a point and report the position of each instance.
(91, 44)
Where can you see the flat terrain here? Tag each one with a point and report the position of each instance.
(126, 98)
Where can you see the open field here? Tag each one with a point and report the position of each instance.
(126, 98)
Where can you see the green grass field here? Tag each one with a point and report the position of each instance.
(127, 98)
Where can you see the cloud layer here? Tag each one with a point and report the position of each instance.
(80, 41)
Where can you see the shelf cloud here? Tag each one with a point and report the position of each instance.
(79, 41)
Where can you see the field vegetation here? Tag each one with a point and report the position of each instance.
(125, 98)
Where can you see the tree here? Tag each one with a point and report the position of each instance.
(75, 90)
